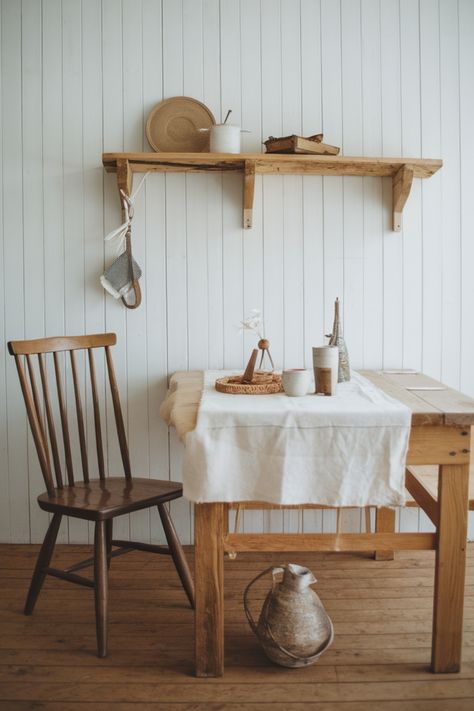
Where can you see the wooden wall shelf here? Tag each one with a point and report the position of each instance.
(401, 170)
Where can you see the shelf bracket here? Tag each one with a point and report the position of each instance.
(124, 178)
(401, 186)
(249, 189)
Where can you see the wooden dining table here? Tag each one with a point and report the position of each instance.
(440, 435)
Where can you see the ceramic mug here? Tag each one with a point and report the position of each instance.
(296, 381)
(326, 367)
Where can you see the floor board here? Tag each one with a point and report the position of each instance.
(379, 660)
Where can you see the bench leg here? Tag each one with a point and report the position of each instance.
(384, 523)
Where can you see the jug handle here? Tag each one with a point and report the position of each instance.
(307, 660)
(273, 569)
(268, 628)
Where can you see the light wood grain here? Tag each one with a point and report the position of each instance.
(209, 581)
(401, 186)
(450, 568)
(422, 496)
(61, 343)
(380, 654)
(384, 523)
(428, 478)
(249, 189)
(294, 542)
(439, 445)
(264, 163)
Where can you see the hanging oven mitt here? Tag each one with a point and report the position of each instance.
(119, 277)
(123, 274)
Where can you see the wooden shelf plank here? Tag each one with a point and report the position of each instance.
(401, 170)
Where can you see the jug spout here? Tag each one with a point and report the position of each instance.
(298, 576)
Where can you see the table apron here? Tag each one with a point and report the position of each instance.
(439, 445)
(321, 542)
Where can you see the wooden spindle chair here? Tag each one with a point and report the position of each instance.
(99, 500)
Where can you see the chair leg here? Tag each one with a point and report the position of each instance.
(109, 526)
(42, 563)
(177, 553)
(101, 586)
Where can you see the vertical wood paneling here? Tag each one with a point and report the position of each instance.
(378, 77)
(431, 195)
(136, 323)
(313, 246)
(466, 105)
(113, 135)
(33, 214)
(13, 275)
(450, 189)
(411, 145)
(353, 204)
(212, 94)
(155, 265)
(333, 196)
(372, 200)
(251, 111)
(5, 523)
(391, 145)
(272, 197)
(73, 214)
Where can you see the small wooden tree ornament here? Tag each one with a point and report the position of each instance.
(264, 347)
(253, 382)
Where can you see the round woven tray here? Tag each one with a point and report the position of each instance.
(262, 384)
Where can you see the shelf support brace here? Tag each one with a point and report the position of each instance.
(124, 179)
(401, 186)
(249, 189)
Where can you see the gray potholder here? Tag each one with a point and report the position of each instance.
(117, 279)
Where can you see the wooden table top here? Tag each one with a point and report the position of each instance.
(431, 402)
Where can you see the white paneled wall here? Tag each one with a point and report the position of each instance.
(379, 77)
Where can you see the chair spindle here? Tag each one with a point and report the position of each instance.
(118, 414)
(80, 417)
(35, 427)
(38, 407)
(50, 421)
(64, 423)
(98, 429)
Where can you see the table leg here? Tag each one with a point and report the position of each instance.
(384, 523)
(209, 527)
(450, 568)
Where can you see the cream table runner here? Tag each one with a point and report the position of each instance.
(347, 450)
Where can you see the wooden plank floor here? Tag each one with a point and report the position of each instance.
(379, 659)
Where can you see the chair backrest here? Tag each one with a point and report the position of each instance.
(40, 406)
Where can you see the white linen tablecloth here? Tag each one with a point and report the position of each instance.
(344, 450)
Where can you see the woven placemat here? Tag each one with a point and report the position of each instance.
(262, 384)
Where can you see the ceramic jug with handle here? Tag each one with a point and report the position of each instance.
(294, 629)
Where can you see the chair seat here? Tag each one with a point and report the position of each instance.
(114, 496)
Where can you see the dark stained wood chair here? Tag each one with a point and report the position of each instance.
(99, 500)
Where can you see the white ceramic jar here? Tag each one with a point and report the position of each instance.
(225, 138)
